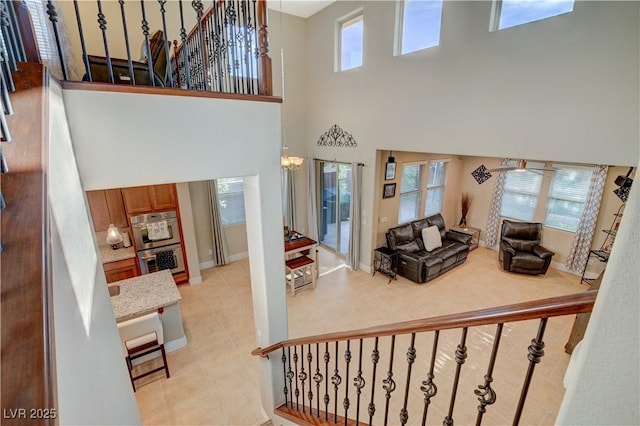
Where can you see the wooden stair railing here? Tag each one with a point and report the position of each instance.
(308, 361)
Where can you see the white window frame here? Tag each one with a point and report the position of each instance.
(574, 199)
(400, 25)
(496, 13)
(436, 187)
(224, 196)
(535, 194)
(346, 19)
(418, 191)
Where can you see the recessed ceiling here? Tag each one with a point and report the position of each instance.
(301, 8)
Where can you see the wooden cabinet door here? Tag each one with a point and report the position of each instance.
(120, 270)
(99, 210)
(115, 204)
(163, 197)
(137, 200)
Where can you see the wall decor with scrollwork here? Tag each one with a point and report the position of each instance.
(337, 137)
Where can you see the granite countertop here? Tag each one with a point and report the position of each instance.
(144, 294)
(107, 254)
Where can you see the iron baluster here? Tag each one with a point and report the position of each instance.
(14, 51)
(290, 376)
(177, 61)
(485, 393)
(53, 17)
(85, 58)
(536, 352)
(375, 357)
(428, 387)
(145, 31)
(359, 383)
(461, 356)
(389, 385)
(318, 379)
(327, 358)
(231, 44)
(335, 380)
(216, 46)
(167, 44)
(310, 393)
(295, 365)
(102, 22)
(209, 51)
(197, 6)
(284, 374)
(126, 42)
(183, 37)
(345, 402)
(225, 38)
(303, 374)
(411, 357)
(246, 48)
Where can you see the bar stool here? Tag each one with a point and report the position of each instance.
(140, 337)
(302, 267)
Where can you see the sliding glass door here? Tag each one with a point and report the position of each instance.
(334, 201)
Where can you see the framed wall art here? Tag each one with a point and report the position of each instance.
(389, 190)
(390, 171)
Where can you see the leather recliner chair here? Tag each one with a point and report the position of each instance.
(520, 249)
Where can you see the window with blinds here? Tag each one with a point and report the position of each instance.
(410, 192)
(435, 188)
(567, 195)
(231, 199)
(41, 29)
(521, 189)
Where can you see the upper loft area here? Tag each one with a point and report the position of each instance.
(222, 48)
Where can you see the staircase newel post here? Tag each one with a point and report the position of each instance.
(264, 61)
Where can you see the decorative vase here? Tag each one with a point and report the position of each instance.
(463, 222)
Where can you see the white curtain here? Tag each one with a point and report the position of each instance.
(312, 212)
(220, 251)
(493, 222)
(579, 252)
(355, 213)
(288, 198)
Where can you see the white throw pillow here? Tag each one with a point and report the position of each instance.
(431, 238)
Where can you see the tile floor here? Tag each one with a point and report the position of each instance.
(214, 380)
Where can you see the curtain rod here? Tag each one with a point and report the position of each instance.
(335, 161)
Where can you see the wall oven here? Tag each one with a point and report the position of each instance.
(157, 241)
(156, 259)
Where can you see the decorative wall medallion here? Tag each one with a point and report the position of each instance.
(337, 137)
(481, 174)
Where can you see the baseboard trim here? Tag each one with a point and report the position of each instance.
(195, 280)
(175, 344)
(206, 265)
(238, 256)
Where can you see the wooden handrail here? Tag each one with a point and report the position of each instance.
(535, 309)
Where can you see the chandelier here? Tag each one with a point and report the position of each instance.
(291, 163)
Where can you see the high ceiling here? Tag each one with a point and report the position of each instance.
(301, 8)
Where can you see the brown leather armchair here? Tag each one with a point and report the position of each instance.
(121, 73)
(520, 249)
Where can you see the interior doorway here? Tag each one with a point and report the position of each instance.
(334, 201)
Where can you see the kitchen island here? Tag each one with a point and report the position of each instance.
(147, 293)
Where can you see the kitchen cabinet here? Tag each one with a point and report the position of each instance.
(121, 270)
(107, 206)
(146, 199)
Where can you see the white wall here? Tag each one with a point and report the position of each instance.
(161, 139)
(92, 378)
(562, 89)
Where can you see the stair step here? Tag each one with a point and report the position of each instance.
(313, 419)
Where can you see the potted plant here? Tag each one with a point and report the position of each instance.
(465, 203)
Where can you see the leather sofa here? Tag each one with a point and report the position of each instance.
(520, 249)
(414, 261)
